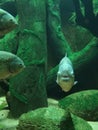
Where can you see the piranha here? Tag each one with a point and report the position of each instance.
(10, 65)
(65, 74)
(7, 22)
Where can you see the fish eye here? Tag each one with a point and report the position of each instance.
(11, 20)
(20, 65)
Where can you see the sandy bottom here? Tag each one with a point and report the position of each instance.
(8, 124)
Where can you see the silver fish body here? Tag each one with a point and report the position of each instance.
(7, 22)
(10, 65)
(65, 74)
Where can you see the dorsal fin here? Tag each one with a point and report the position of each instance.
(66, 54)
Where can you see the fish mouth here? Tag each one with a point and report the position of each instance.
(12, 23)
(16, 24)
(24, 67)
(65, 78)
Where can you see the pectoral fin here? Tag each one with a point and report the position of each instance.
(75, 82)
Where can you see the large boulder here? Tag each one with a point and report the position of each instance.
(83, 104)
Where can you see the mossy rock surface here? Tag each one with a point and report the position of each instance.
(79, 123)
(83, 104)
(42, 119)
(51, 118)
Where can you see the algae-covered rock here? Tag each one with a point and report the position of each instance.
(93, 124)
(3, 103)
(48, 118)
(3, 114)
(51, 118)
(83, 104)
(79, 123)
(75, 123)
(52, 102)
(6, 122)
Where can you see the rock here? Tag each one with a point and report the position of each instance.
(51, 118)
(75, 123)
(83, 104)
(94, 125)
(3, 114)
(52, 102)
(79, 123)
(8, 124)
(41, 119)
(3, 103)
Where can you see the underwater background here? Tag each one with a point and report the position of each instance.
(48, 64)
